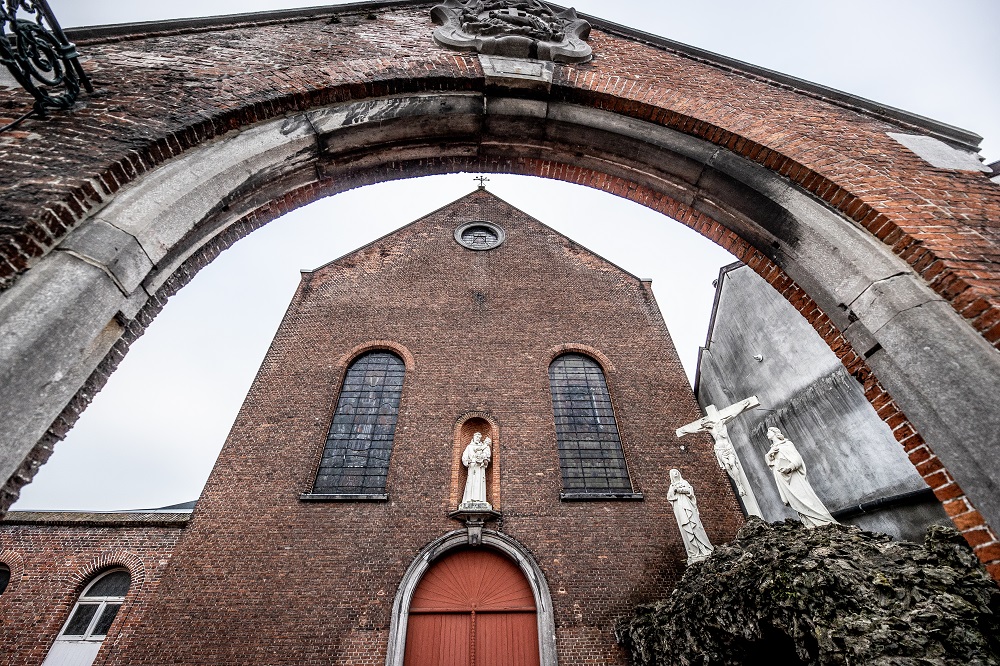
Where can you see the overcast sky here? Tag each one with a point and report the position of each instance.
(152, 435)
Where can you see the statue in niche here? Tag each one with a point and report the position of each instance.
(794, 488)
(681, 497)
(476, 459)
(714, 422)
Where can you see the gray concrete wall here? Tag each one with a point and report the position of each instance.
(850, 453)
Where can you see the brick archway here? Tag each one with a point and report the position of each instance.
(891, 259)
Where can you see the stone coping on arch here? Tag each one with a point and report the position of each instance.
(957, 136)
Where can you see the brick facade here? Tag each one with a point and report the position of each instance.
(164, 91)
(261, 576)
(53, 556)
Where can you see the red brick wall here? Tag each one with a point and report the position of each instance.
(263, 577)
(160, 94)
(52, 563)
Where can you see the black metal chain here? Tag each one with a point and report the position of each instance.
(39, 57)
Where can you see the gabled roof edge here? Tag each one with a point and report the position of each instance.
(555, 232)
(723, 272)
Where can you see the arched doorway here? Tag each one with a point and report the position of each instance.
(496, 544)
(473, 607)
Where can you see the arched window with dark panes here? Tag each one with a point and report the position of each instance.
(356, 458)
(4, 577)
(590, 448)
(90, 620)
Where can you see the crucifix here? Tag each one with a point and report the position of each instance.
(714, 422)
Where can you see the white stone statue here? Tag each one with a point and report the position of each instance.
(681, 496)
(790, 475)
(714, 422)
(476, 458)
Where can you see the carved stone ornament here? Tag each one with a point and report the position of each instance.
(512, 28)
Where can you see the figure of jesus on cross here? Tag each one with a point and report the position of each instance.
(714, 422)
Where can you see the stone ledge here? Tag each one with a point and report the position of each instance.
(97, 518)
(587, 497)
(344, 497)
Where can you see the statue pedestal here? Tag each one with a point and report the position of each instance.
(475, 515)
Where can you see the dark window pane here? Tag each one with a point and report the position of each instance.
(590, 450)
(81, 620)
(104, 622)
(356, 458)
(115, 584)
(4, 577)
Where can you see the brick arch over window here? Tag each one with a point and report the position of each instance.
(112, 559)
(375, 345)
(14, 562)
(123, 205)
(577, 347)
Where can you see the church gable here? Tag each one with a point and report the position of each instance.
(435, 239)
(474, 380)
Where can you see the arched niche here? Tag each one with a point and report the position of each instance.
(465, 427)
(455, 540)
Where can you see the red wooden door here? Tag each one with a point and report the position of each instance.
(472, 608)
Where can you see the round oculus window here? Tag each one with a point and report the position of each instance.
(479, 235)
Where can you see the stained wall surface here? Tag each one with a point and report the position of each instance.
(850, 453)
(264, 577)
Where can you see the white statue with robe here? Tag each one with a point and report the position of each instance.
(681, 497)
(714, 423)
(476, 458)
(794, 488)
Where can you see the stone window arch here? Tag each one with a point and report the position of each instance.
(355, 462)
(590, 449)
(89, 622)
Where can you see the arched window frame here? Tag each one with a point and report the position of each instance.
(5, 576)
(403, 358)
(102, 602)
(572, 494)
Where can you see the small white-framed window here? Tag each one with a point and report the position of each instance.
(80, 639)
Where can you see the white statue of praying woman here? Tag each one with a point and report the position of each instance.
(794, 488)
(681, 496)
(476, 458)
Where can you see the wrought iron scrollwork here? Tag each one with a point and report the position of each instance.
(39, 56)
